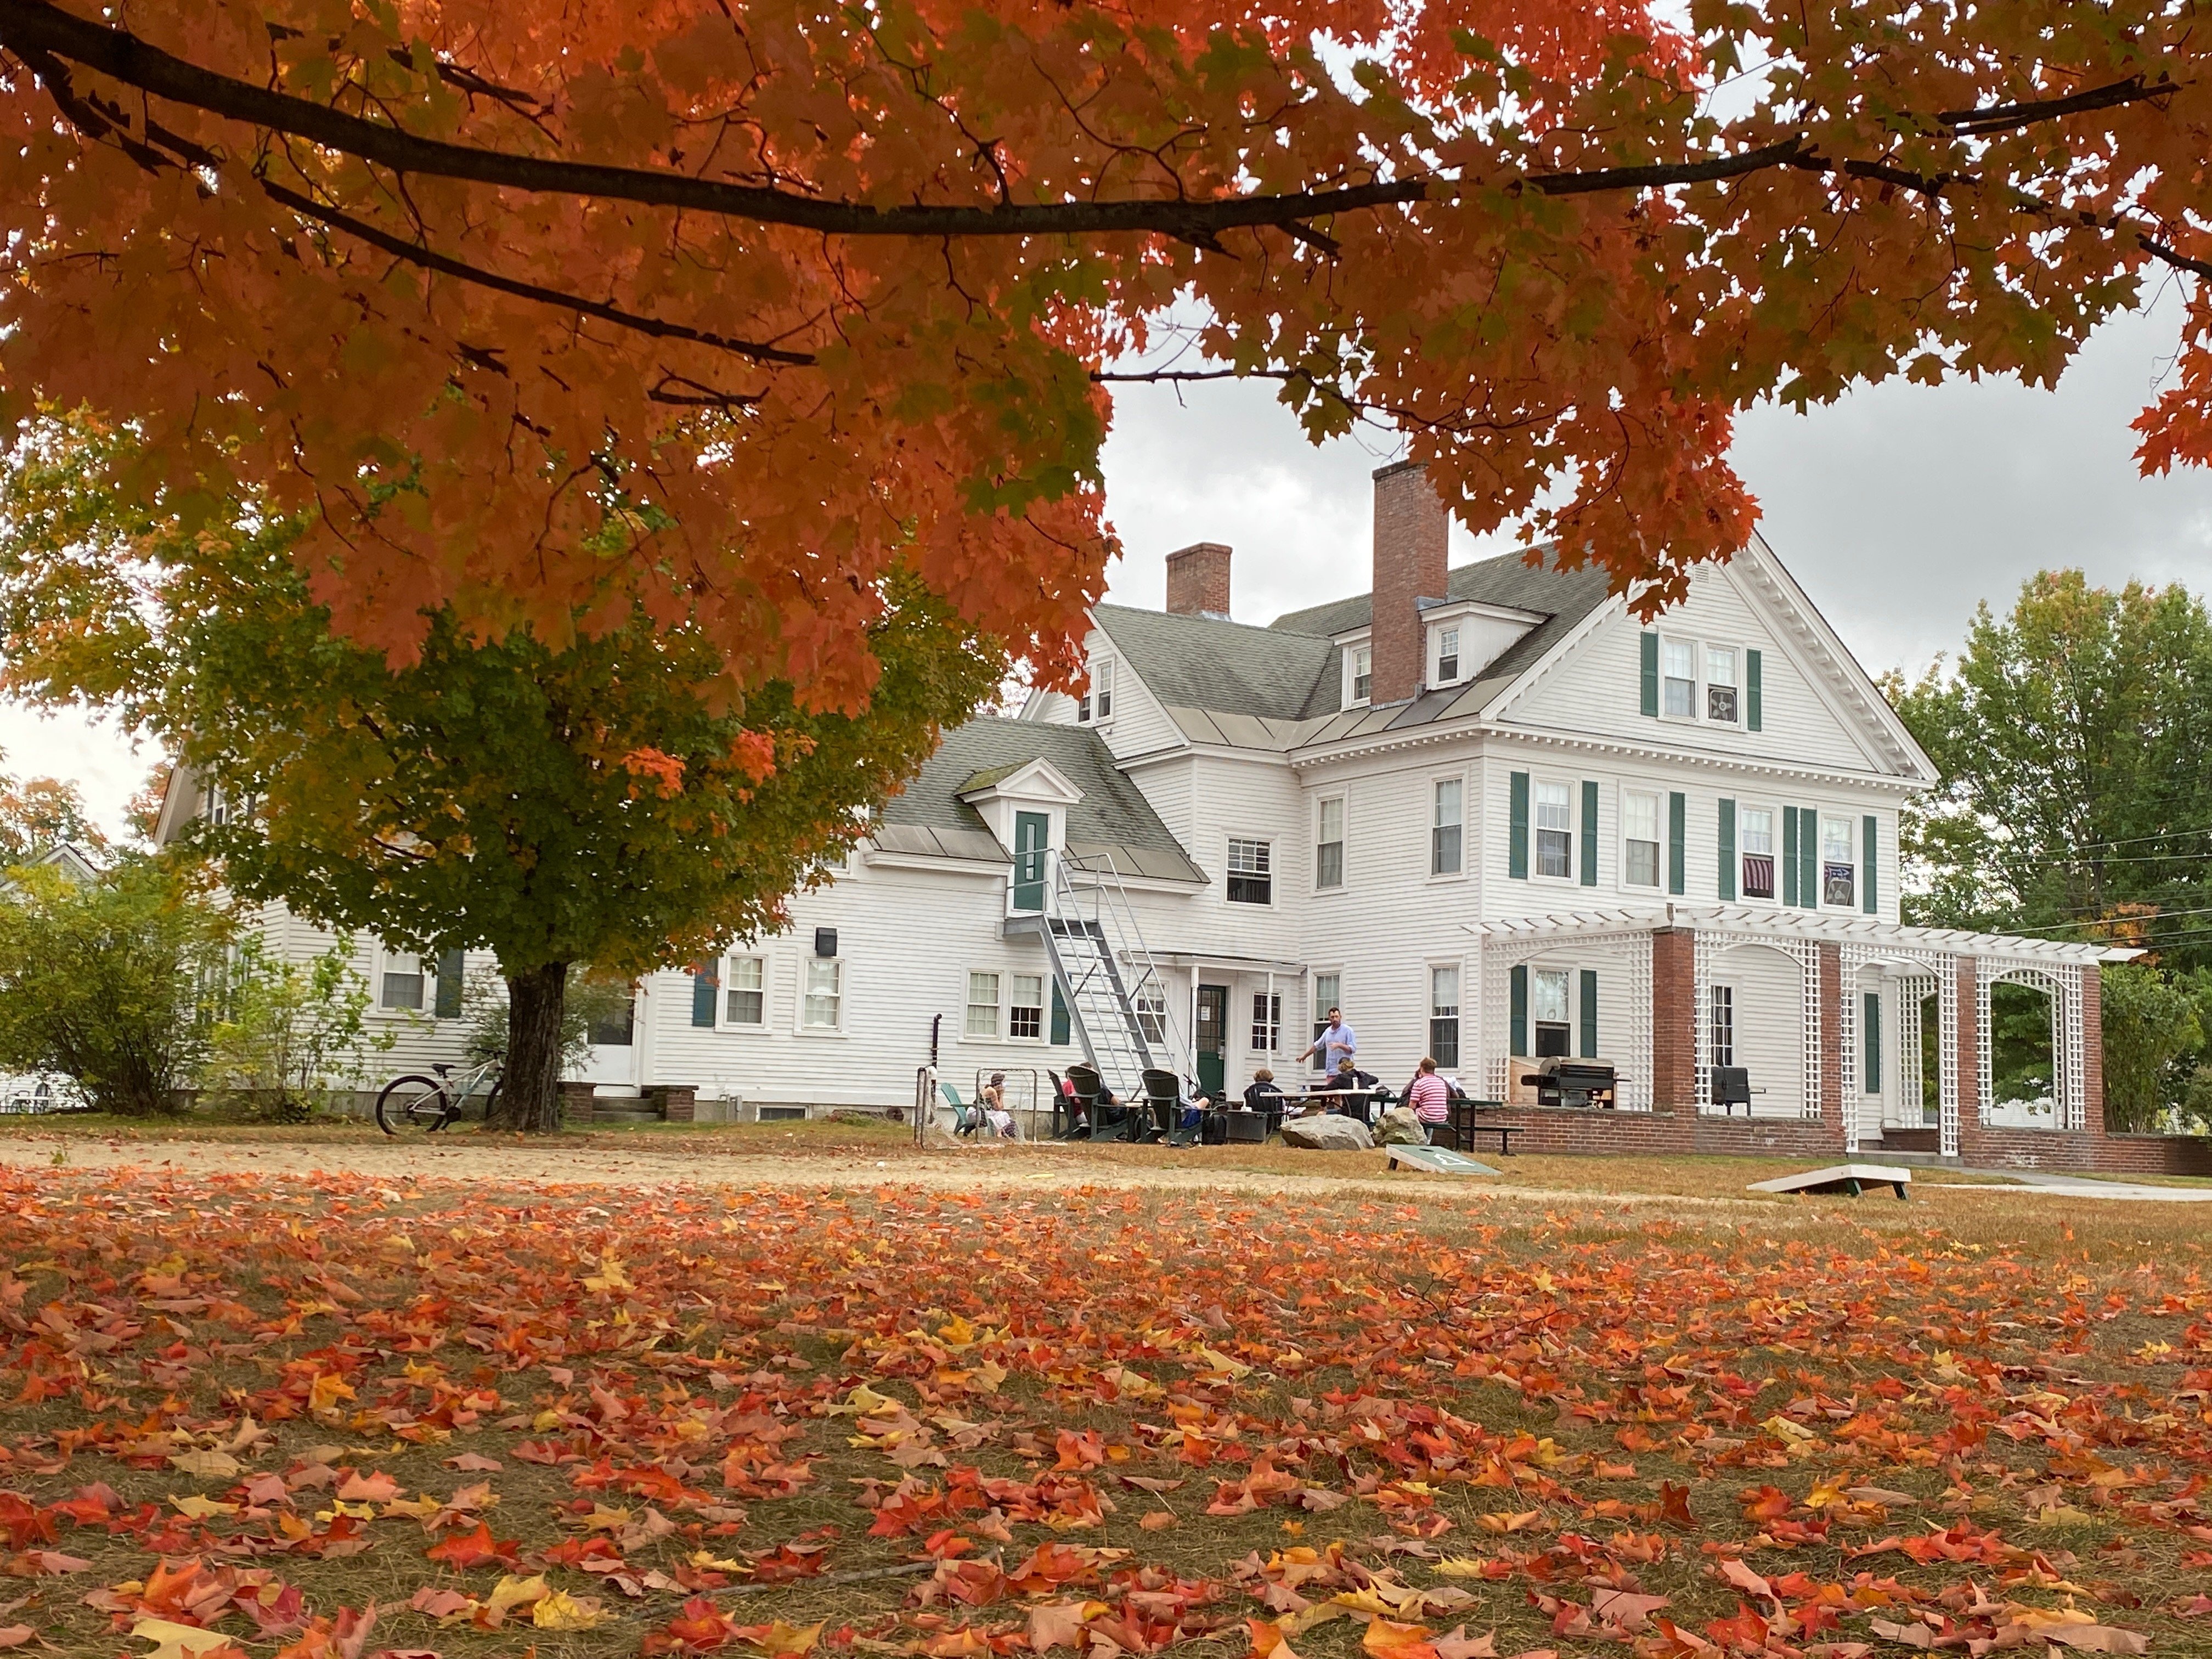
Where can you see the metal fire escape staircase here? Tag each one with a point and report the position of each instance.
(1116, 996)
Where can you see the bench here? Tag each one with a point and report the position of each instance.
(1465, 1125)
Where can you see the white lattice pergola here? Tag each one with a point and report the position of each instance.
(1918, 961)
(2069, 1044)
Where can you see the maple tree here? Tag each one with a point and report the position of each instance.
(617, 804)
(37, 813)
(726, 308)
(363, 1414)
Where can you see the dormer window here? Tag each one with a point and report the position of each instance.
(1447, 656)
(1102, 689)
(1360, 667)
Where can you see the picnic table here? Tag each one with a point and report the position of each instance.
(1465, 1125)
(1348, 1102)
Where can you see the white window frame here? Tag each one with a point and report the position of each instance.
(1353, 651)
(1149, 1003)
(425, 971)
(726, 989)
(806, 969)
(1701, 681)
(1230, 873)
(1657, 841)
(1850, 860)
(969, 1005)
(1342, 803)
(1042, 1005)
(1695, 680)
(1537, 973)
(1537, 784)
(1457, 967)
(1454, 633)
(1266, 1032)
(1773, 853)
(1720, 996)
(1436, 785)
(1102, 691)
(1735, 683)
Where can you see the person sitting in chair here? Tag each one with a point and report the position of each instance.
(1349, 1079)
(1261, 1095)
(992, 1099)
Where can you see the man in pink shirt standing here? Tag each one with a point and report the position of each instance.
(1431, 1099)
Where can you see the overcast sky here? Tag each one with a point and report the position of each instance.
(1898, 508)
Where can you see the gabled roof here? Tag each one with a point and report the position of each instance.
(1113, 818)
(1225, 667)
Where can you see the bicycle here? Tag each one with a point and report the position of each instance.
(429, 1104)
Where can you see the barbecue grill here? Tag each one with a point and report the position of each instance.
(1563, 1082)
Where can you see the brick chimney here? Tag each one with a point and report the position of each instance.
(1198, 580)
(1411, 555)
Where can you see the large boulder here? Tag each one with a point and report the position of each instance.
(1400, 1128)
(1327, 1132)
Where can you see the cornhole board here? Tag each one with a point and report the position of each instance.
(1851, 1178)
(1438, 1160)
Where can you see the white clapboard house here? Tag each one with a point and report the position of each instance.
(1487, 809)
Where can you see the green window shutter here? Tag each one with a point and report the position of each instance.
(706, 982)
(1060, 1035)
(1589, 1013)
(1870, 1042)
(1870, 849)
(1520, 1031)
(1650, 703)
(450, 965)
(1678, 824)
(1751, 698)
(1727, 851)
(1790, 856)
(1589, 834)
(1516, 837)
(1809, 856)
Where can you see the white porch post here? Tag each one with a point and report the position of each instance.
(1947, 1082)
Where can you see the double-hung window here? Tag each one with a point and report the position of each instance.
(745, 998)
(1755, 829)
(399, 983)
(1151, 1003)
(1443, 1016)
(1447, 655)
(821, 1007)
(1267, 1022)
(1446, 818)
(1329, 845)
(1555, 830)
(1098, 703)
(1720, 684)
(1552, 993)
(982, 1019)
(1678, 661)
(1361, 671)
(1639, 830)
(1025, 1008)
(1249, 879)
(1721, 1029)
(1839, 864)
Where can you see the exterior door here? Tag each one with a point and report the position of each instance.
(1032, 833)
(1213, 1038)
(616, 1052)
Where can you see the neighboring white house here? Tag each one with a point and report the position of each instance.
(1491, 815)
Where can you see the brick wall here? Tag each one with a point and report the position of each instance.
(1634, 1134)
(1198, 580)
(1833, 1105)
(2189, 1155)
(1411, 556)
(1673, 1021)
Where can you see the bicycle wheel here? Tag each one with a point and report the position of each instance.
(413, 1102)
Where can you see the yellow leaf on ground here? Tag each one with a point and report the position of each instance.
(207, 1465)
(173, 1641)
(200, 1508)
(561, 1611)
(782, 1638)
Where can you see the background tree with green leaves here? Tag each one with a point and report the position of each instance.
(615, 800)
(2076, 802)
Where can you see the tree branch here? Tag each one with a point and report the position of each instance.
(2008, 117)
(399, 247)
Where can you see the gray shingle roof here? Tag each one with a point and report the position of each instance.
(1112, 818)
(1279, 687)
(1225, 667)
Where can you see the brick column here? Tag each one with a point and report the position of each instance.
(576, 1102)
(1969, 1080)
(679, 1104)
(2093, 1049)
(1673, 1021)
(1830, 993)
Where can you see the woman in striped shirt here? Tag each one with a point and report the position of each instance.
(1431, 1099)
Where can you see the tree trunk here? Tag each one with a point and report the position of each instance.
(530, 1098)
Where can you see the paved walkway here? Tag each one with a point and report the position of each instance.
(2075, 1186)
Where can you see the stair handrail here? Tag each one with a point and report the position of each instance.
(1115, 917)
